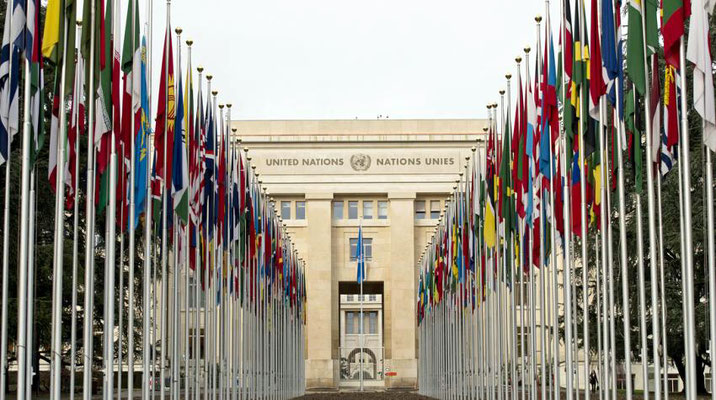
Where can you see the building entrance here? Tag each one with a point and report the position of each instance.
(362, 353)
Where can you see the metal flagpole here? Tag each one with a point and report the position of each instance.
(89, 221)
(109, 280)
(56, 366)
(75, 229)
(175, 265)
(583, 218)
(530, 235)
(605, 258)
(664, 351)
(147, 371)
(131, 227)
(164, 201)
(187, 288)
(6, 239)
(32, 274)
(543, 224)
(640, 270)
(623, 254)
(567, 286)
(360, 261)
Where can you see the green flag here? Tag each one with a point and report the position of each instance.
(635, 40)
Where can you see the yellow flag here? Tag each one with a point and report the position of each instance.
(51, 34)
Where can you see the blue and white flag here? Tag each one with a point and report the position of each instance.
(12, 46)
(360, 256)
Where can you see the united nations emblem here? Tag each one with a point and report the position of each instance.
(360, 162)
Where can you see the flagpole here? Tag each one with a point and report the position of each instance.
(6, 257)
(57, 273)
(583, 219)
(131, 222)
(175, 259)
(89, 220)
(606, 260)
(362, 278)
(164, 201)
(187, 313)
(543, 220)
(687, 251)
(663, 289)
(75, 253)
(109, 280)
(651, 218)
(611, 377)
(147, 371)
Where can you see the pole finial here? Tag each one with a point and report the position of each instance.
(518, 59)
(538, 18)
(527, 49)
(200, 69)
(508, 76)
(214, 92)
(189, 42)
(178, 30)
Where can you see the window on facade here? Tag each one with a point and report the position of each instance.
(199, 346)
(300, 210)
(367, 247)
(192, 299)
(286, 209)
(373, 322)
(434, 209)
(368, 209)
(350, 323)
(420, 209)
(338, 210)
(352, 210)
(382, 209)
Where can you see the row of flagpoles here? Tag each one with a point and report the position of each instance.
(533, 240)
(213, 301)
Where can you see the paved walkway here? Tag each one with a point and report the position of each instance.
(364, 395)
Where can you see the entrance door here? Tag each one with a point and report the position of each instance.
(361, 348)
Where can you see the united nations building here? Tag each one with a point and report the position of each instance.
(328, 179)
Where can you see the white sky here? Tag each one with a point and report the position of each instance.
(288, 59)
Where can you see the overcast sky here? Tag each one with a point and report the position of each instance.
(328, 59)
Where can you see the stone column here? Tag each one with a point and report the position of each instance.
(321, 368)
(402, 291)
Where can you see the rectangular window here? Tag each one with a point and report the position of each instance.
(338, 210)
(382, 209)
(349, 323)
(300, 210)
(373, 322)
(352, 210)
(286, 210)
(192, 299)
(368, 209)
(367, 247)
(434, 209)
(420, 209)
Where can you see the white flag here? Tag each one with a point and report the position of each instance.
(698, 53)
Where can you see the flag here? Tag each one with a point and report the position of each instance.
(180, 176)
(141, 140)
(636, 64)
(597, 87)
(655, 112)
(37, 80)
(12, 46)
(674, 14)
(670, 131)
(698, 52)
(164, 127)
(360, 257)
